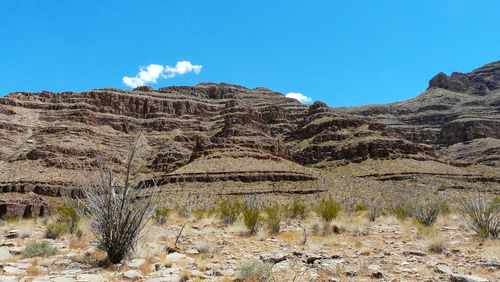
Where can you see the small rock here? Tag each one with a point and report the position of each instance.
(414, 253)
(132, 274)
(135, 263)
(192, 252)
(351, 273)
(377, 275)
(273, 257)
(466, 278)
(310, 259)
(5, 254)
(90, 278)
(442, 268)
(13, 270)
(16, 250)
(63, 262)
(12, 234)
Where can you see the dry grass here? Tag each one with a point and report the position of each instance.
(147, 266)
(76, 243)
(435, 242)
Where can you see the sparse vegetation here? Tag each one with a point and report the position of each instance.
(116, 209)
(255, 269)
(481, 214)
(401, 210)
(56, 229)
(39, 249)
(427, 213)
(297, 209)
(273, 218)
(161, 215)
(251, 217)
(228, 211)
(328, 209)
(435, 242)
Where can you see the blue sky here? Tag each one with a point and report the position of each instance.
(344, 53)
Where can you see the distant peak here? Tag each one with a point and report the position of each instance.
(478, 82)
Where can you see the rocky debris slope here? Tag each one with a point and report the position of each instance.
(461, 110)
(47, 136)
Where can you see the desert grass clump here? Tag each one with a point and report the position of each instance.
(255, 270)
(161, 215)
(273, 218)
(205, 246)
(328, 209)
(435, 242)
(228, 211)
(117, 207)
(427, 213)
(39, 249)
(481, 214)
(251, 217)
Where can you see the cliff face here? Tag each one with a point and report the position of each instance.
(214, 133)
(208, 130)
(461, 110)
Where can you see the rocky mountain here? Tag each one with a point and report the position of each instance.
(222, 133)
(459, 115)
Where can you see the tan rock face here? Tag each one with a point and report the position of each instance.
(46, 136)
(455, 109)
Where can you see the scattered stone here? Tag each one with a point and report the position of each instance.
(12, 234)
(5, 254)
(132, 274)
(273, 257)
(16, 250)
(13, 270)
(351, 273)
(136, 263)
(89, 278)
(377, 275)
(310, 259)
(63, 262)
(414, 253)
(442, 268)
(466, 278)
(192, 252)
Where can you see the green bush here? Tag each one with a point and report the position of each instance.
(67, 215)
(255, 270)
(401, 210)
(328, 209)
(56, 229)
(441, 188)
(228, 211)
(161, 215)
(273, 218)
(298, 209)
(360, 207)
(251, 217)
(38, 249)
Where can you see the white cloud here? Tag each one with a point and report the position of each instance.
(299, 97)
(151, 73)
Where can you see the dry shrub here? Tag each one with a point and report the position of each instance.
(481, 213)
(116, 207)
